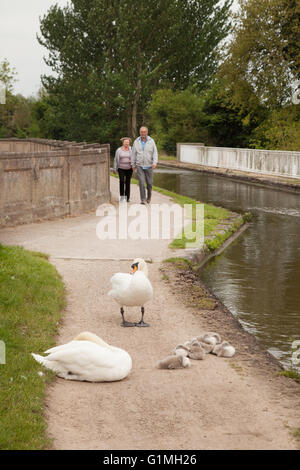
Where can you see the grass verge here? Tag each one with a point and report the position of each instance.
(164, 156)
(193, 293)
(292, 374)
(32, 297)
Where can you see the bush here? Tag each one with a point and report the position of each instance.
(281, 131)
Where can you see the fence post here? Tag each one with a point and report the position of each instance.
(2, 352)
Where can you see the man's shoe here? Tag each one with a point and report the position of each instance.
(148, 200)
(143, 202)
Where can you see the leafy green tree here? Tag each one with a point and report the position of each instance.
(257, 70)
(280, 131)
(7, 78)
(289, 22)
(176, 117)
(8, 75)
(229, 125)
(111, 56)
(16, 115)
(208, 117)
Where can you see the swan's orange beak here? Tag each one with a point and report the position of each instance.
(133, 268)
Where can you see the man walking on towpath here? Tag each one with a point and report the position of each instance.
(144, 159)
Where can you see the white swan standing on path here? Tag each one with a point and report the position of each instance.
(87, 358)
(132, 290)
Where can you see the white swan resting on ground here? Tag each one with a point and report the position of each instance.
(132, 290)
(87, 358)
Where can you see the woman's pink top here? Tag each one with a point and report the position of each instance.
(124, 160)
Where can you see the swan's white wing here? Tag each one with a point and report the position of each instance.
(61, 347)
(121, 283)
(83, 355)
(141, 289)
(121, 280)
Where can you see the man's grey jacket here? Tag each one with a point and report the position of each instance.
(146, 157)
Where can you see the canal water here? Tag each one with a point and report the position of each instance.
(258, 276)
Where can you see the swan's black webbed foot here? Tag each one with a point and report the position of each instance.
(142, 323)
(127, 324)
(124, 322)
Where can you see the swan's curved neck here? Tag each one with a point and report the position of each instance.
(143, 270)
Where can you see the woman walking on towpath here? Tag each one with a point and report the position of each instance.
(122, 164)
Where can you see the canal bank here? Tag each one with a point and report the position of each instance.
(277, 182)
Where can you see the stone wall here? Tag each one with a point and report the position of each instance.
(31, 145)
(65, 178)
(268, 162)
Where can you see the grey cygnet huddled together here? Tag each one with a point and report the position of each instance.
(196, 349)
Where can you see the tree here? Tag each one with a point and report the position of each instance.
(257, 70)
(7, 78)
(8, 75)
(228, 125)
(176, 117)
(280, 131)
(110, 56)
(289, 21)
(208, 117)
(15, 116)
(45, 121)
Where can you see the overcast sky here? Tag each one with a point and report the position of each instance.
(19, 24)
